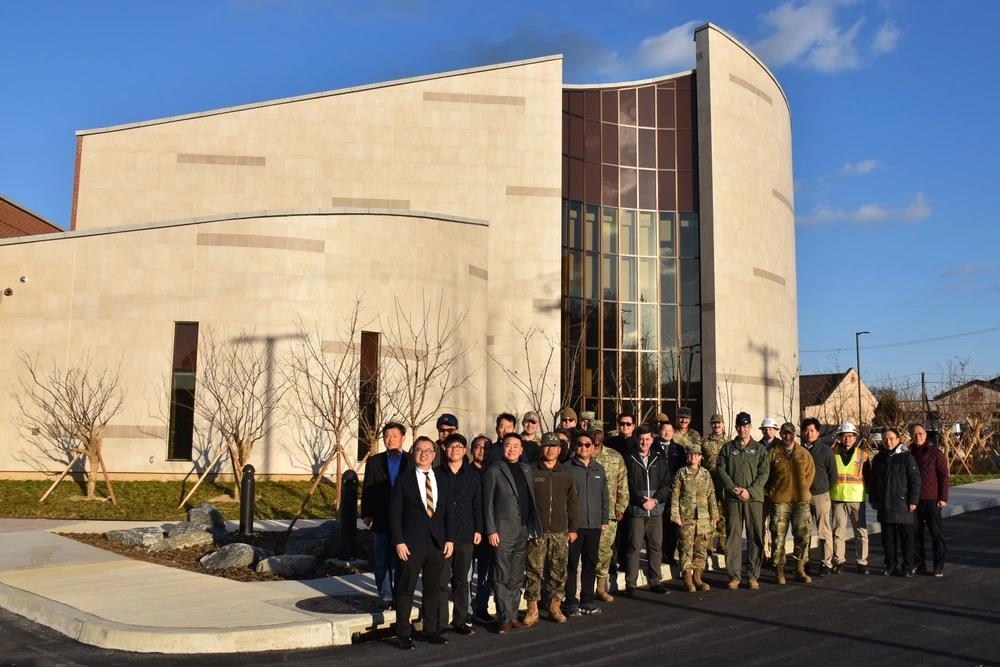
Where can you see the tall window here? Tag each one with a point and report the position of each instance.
(368, 392)
(185, 364)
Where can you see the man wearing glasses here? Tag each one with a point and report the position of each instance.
(532, 431)
(466, 511)
(624, 441)
(649, 489)
(590, 482)
(446, 425)
(509, 519)
(421, 528)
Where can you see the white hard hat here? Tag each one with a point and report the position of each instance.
(769, 422)
(847, 427)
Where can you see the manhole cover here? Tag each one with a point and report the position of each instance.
(340, 604)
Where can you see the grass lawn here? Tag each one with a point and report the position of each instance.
(157, 501)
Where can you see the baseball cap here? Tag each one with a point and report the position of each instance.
(743, 419)
(447, 419)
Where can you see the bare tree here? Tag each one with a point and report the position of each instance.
(725, 396)
(788, 383)
(324, 380)
(426, 352)
(239, 395)
(69, 409)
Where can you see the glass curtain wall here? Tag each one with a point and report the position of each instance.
(631, 271)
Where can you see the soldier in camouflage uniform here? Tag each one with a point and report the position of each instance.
(711, 446)
(556, 504)
(684, 435)
(694, 509)
(791, 475)
(614, 470)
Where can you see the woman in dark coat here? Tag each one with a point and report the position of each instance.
(893, 490)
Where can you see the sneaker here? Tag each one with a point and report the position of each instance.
(463, 628)
(824, 571)
(569, 610)
(589, 609)
(862, 569)
(836, 569)
(938, 573)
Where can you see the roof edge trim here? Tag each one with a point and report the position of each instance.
(749, 53)
(327, 93)
(627, 84)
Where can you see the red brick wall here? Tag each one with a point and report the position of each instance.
(16, 221)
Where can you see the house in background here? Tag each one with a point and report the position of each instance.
(832, 398)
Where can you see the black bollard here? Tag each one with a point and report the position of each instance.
(247, 501)
(347, 516)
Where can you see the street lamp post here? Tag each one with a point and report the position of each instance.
(857, 352)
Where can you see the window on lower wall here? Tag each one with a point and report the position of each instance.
(185, 363)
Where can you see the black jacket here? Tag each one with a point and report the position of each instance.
(826, 467)
(466, 489)
(375, 489)
(893, 485)
(652, 480)
(408, 520)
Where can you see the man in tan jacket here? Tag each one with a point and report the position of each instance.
(792, 472)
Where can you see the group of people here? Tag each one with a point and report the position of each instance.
(535, 512)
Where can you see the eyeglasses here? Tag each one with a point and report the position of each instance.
(568, 419)
(424, 452)
(584, 444)
(456, 445)
(530, 421)
(624, 423)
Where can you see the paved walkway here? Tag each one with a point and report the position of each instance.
(107, 600)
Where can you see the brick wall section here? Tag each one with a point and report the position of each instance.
(76, 182)
(17, 221)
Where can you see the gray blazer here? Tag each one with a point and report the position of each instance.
(501, 509)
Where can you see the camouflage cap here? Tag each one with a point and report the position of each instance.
(661, 417)
(693, 449)
(788, 427)
(567, 413)
(530, 417)
(551, 440)
(717, 418)
(588, 415)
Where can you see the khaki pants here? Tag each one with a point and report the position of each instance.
(820, 505)
(855, 513)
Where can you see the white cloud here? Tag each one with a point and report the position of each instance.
(668, 51)
(858, 168)
(886, 39)
(869, 214)
(811, 34)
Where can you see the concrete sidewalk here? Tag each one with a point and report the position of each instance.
(103, 599)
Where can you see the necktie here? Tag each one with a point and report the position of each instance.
(429, 494)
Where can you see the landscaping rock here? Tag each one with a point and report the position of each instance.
(183, 541)
(319, 541)
(134, 537)
(207, 515)
(294, 565)
(229, 557)
(186, 527)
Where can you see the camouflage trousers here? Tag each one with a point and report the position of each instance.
(800, 518)
(720, 526)
(606, 549)
(550, 549)
(692, 544)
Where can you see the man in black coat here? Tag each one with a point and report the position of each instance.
(466, 512)
(381, 472)
(421, 532)
(894, 491)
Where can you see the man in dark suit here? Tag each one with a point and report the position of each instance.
(421, 532)
(509, 518)
(381, 472)
(465, 486)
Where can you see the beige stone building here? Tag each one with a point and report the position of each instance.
(648, 226)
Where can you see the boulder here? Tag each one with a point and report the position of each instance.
(134, 537)
(187, 527)
(294, 565)
(206, 515)
(229, 557)
(319, 541)
(183, 541)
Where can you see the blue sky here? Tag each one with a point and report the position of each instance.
(894, 108)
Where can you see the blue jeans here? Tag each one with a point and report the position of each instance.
(385, 564)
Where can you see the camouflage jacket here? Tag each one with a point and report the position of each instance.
(710, 447)
(614, 471)
(692, 437)
(693, 498)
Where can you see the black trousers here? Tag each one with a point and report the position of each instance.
(897, 543)
(586, 545)
(929, 519)
(429, 562)
(456, 576)
(669, 538)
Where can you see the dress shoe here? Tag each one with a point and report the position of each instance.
(404, 643)
(824, 571)
(436, 639)
(938, 573)
(385, 605)
(483, 616)
(463, 628)
(862, 569)
(659, 589)
(629, 592)
(505, 628)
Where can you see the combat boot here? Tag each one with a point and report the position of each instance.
(555, 613)
(531, 617)
(688, 584)
(800, 572)
(601, 592)
(702, 586)
(779, 573)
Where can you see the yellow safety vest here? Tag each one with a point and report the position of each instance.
(850, 486)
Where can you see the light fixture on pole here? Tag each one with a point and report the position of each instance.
(857, 352)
